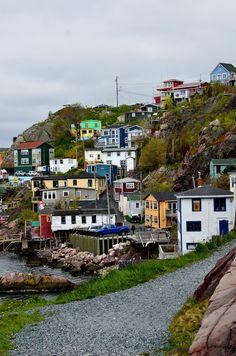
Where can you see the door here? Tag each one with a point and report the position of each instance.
(224, 227)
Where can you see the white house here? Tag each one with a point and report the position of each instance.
(124, 158)
(93, 155)
(62, 165)
(202, 213)
(132, 204)
(64, 220)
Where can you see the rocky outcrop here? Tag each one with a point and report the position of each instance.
(212, 279)
(20, 282)
(217, 335)
(75, 261)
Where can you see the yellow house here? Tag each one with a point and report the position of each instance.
(82, 180)
(159, 209)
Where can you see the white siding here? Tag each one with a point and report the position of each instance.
(209, 221)
(100, 220)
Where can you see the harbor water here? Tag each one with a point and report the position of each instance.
(12, 262)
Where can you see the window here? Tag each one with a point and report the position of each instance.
(92, 168)
(150, 205)
(109, 162)
(65, 183)
(83, 219)
(123, 163)
(118, 153)
(155, 219)
(213, 76)
(147, 204)
(53, 195)
(129, 185)
(106, 133)
(63, 219)
(94, 219)
(73, 219)
(191, 246)
(129, 153)
(219, 204)
(49, 218)
(90, 182)
(65, 193)
(55, 183)
(74, 182)
(24, 160)
(24, 152)
(61, 161)
(49, 195)
(108, 154)
(155, 205)
(137, 205)
(98, 156)
(193, 226)
(55, 161)
(95, 125)
(224, 75)
(45, 195)
(147, 218)
(218, 169)
(196, 205)
(218, 76)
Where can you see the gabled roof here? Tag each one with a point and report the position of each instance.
(126, 180)
(229, 67)
(162, 196)
(205, 191)
(31, 144)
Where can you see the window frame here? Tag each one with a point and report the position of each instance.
(194, 226)
(224, 205)
(195, 201)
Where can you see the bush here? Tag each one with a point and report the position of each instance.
(201, 248)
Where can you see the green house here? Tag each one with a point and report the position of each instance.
(217, 166)
(29, 156)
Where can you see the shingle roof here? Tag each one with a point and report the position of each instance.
(32, 144)
(162, 196)
(205, 191)
(229, 67)
(135, 196)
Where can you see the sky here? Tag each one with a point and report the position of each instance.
(57, 52)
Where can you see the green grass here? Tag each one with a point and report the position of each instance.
(185, 326)
(115, 281)
(12, 323)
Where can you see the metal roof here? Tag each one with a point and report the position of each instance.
(32, 144)
(226, 161)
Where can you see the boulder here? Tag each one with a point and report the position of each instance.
(212, 279)
(217, 334)
(21, 282)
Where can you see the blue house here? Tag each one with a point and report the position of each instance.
(103, 170)
(224, 73)
(117, 136)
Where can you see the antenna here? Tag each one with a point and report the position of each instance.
(117, 91)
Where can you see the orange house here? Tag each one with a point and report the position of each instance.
(160, 209)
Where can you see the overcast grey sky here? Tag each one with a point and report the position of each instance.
(55, 52)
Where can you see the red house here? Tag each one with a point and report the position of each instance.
(166, 89)
(45, 225)
(125, 185)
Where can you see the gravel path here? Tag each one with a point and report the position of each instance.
(123, 323)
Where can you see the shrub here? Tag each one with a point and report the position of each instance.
(201, 248)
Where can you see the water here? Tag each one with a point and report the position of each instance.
(12, 262)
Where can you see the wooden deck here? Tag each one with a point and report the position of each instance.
(149, 237)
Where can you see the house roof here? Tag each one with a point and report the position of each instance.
(205, 191)
(226, 161)
(78, 176)
(126, 180)
(135, 196)
(189, 85)
(31, 144)
(229, 67)
(162, 196)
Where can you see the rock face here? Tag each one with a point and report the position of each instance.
(20, 282)
(212, 279)
(217, 335)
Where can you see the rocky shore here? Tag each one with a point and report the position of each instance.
(75, 261)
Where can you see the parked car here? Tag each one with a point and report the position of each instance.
(33, 173)
(110, 229)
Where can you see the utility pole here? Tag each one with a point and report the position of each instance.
(117, 91)
(108, 203)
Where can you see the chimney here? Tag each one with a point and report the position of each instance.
(199, 180)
